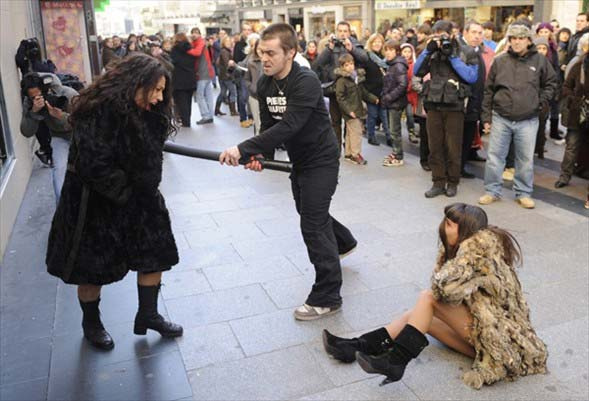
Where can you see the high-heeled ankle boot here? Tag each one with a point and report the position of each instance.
(233, 109)
(343, 349)
(94, 331)
(148, 317)
(408, 344)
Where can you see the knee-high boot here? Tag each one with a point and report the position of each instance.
(408, 344)
(94, 331)
(343, 349)
(148, 317)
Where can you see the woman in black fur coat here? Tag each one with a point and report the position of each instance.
(111, 217)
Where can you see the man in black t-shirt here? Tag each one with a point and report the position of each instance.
(292, 112)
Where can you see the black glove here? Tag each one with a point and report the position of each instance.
(432, 46)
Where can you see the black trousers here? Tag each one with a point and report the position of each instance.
(324, 236)
(444, 129)
(423, 143)
(575, 140)
(336, 119)
(43, 135)
(183, 103)
(470, 129)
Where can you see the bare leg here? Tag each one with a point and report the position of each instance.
(449, 324)
(149, 279)
(88, 292)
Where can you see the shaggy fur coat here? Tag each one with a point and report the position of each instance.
(111, 217)
(506, 345)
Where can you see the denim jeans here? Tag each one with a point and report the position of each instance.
(227, 92)
(409, 115)
(374, 112)
(61, 149)
(242, 95)
(394, 118)
(205, 98)
(524, 139)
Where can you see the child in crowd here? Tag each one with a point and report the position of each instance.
(476, 306)
(394, 98)
(408, 52)
(543, 48)
(349, 94)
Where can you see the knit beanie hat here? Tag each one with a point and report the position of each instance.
(541, 41)
(545, 25)
(518, 31)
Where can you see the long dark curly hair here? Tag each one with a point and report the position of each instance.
(471, 219)
(117, 89)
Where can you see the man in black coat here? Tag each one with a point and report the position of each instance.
(582, 28)
(327, 62)
(293, 112)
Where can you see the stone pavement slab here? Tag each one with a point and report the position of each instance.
(244, 268)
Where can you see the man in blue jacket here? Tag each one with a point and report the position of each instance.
(453, 67)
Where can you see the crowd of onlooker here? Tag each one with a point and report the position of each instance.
(448, 84)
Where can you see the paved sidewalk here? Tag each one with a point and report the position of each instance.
(243, 269)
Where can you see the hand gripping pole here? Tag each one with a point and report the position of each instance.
(183, 150)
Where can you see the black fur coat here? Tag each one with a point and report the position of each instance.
(111, 217)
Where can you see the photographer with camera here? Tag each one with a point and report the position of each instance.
(45, 115)
(453, 68)
(338, 45)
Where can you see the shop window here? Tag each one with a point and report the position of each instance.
(6, 154)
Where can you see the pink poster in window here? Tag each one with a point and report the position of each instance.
(62, 24)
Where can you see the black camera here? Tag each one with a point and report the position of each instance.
(56, 101)
(337, 42)
(446, 46)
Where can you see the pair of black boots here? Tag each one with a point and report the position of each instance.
(147, 318)
(377, 352)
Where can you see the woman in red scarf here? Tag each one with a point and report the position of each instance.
(408, 52)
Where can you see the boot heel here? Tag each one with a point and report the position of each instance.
(140, 330)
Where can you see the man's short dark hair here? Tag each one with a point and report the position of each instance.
(442, 26)
(282, 31)
(425, 29)
(393, 44)
(346, 23)
(586, 14)
(471, 23)
(195, 29)
(489, 25)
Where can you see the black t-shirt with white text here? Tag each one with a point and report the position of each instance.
(293, 113)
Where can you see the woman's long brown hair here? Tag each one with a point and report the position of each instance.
(471, 219)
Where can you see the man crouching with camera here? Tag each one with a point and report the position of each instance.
(453, 67)
(45, 115)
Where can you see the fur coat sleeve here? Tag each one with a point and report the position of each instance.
(502, 335)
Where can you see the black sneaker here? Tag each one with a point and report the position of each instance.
(373, 141)
(204, 121)
(389, 142)
(46, 158)
(466, 174)
(425, 166)
(435, 191)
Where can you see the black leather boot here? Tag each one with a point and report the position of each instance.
(408, 344)
(94, 331)
(148, 317)
(373, 343)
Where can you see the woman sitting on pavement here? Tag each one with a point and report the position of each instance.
(476, 307)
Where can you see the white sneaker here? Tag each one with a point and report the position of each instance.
(308, 312)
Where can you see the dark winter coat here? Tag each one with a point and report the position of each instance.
(574, 44)
(477, 92)
(223, 71)
(349, 94)
(573, 91)
(111, 217)
(502, 335)
(518, 86)
(253, 74)
(374, 75)
(328, 60)
(184, 74)
(394, 90)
